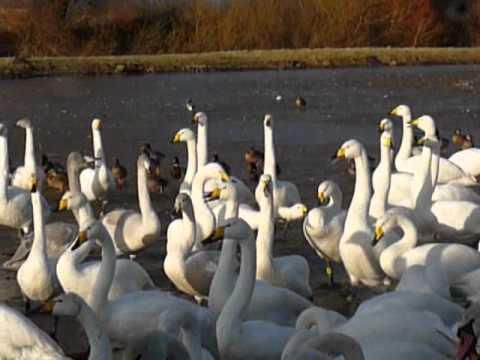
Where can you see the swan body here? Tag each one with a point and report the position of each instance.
(355, 246)
(79, 277)
(236, 338)
(23, 340)
(455, 259)
(191, 271)
(291, 272)
(22, 175)
(468, 160)
(285, 194)
(132, 231)
(98, 182)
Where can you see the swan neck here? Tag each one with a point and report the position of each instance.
(378, 205)
(269, 164)
(407, 139)
(73, 174)
(338, 345)
(97, 339)
(98, 298)
(29, 159)
(236, 306)
(39, 245)
(422, 188)
(188, 218)
(4, 168)
(191, 163)
(435, 165)
(144, 200)
(202, 211)
(265, 237)
(406, 243)
(202, 145)
(362, 192)
(98, 148)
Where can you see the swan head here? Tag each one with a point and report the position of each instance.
(386, 140)
(233, 229)
(385, 125)
(350, 150)
(426, 124)
(185, 134)
(388, 223)
(143, 162)
(3, 129)
(265, 185)
(183, 202)
(268, 121)
(25, 123)
(76, 160)
(200, 118)
(69, 304)
(402, 111)
(214, 171)
(327, 190)
(96, 124)
(298, 211)
(71, 201)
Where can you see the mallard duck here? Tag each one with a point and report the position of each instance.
(176, 171)
(300, 102)
(119, 173)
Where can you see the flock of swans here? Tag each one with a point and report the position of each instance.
(412, 226)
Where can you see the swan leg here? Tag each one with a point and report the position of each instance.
(329, 272)
(27, 305)
(103, 207)
(132, 257)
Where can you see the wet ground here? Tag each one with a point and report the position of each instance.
(341, 104)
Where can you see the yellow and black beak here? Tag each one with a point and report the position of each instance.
(380, 128)
(82, 237)
(213, 195)
(217, 235)
(62, 204)
(341, 153)
(47, 307)
(304, 210)
(322, 198)
(176, 138)
(388, 143)
(224, 176)
(379, 233)
(413, 122)
(33, 185)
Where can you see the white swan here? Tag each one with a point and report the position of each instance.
(23, 340)
(37, 277)
(22, 176)
(291, 272)
(190, 271)
(15, 204)
(96, 183)
(355, 245)
(132, 231)
(285, 193)
(236, 338)
(73, 305)
(404, 162)
(80, 277)
(269, 303)
(188, 136)
(323, 226)
(245, 195)
(468, 160)
(455, 259)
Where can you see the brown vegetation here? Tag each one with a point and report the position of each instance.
(247, 24)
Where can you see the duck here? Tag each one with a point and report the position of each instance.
(300, 102)
(79, 276)
(55, 175)
(190, 271)
(454, 259)
(457, 137)
(290, 272)
(189, 105)
(176, 171)
(132, 231)
(448, 172)
(98, 182)
(200, 118)
(119, 173)
(155, 157)
(285, 194)
(187, 135)
(22, 175)
(355, 246)
(323, 226)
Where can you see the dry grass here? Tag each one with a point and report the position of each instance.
(248, 24)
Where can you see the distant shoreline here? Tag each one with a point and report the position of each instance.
(283, 59)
